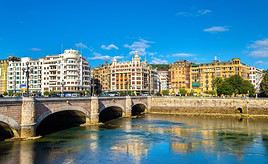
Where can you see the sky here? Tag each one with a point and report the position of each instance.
(162, 31)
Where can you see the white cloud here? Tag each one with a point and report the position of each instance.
(197, 13)
(36, 49)
(81, 45)
(182, 55)
(109, 47)
(159, 61)
(184, 14)
(259, 48)
(141, 45)
(261, 62)
(204, 11)
(217, 29)
(98, 56)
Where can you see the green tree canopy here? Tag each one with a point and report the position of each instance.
(233, 85)
(264, 85)
(216, 82)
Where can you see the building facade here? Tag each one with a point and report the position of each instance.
(255, 77)
(202, 75)
(199, 77)
(101, 79)
(155, 82)
(17, 81)
(65, 73)
(164, 79)
(180, 74)
(131, 76)
(3, 76)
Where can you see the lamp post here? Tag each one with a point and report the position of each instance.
(27, 72)
(92, 87)
(62, 88)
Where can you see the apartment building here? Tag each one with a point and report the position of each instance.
(68, 73)
(134, 75)
(255, 77)
(3, 76)
(199, 77)
(130, 76)
(17, 81)
(164, 79)
(101, 77)
(202, 75)
(155, 82)
(180, 73)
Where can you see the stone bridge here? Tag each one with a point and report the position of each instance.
(23, 117)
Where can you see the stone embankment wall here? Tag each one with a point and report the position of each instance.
(199, 106)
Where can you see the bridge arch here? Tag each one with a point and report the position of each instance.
(138, 108)
(8, 127)
(110, 112)
(58, 119)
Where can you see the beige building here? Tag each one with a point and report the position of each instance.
(202, 75)
(130, 76)
(180, 73)
(3, 76)
(134, 75)
(198, 77)
(101, 78)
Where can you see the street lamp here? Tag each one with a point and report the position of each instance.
(27, 71)
(62, 88)
(92, 86)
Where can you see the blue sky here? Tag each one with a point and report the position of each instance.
(162, 30)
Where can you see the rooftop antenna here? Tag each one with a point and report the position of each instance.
(215, 59)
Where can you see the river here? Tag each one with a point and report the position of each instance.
(148, 139)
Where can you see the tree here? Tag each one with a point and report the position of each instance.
(264, 85)
(236, 82)
(46, 93)
(10, 93)
(247, 88)
(182, 91)
(225, 89)
(165, 92)
(5, 93)
(235, 85)
(217, 82)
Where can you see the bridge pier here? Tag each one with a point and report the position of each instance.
(94, 111)
(27, 118)
(149, 104)
(128, 105)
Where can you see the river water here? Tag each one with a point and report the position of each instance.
(148, 139)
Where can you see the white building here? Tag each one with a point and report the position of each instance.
(68, 72)
(255, 77)
(163, 76)
(17, 81)
(155, 81)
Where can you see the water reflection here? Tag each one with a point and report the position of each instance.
(152, 139)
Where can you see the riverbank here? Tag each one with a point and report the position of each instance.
(210, 106)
